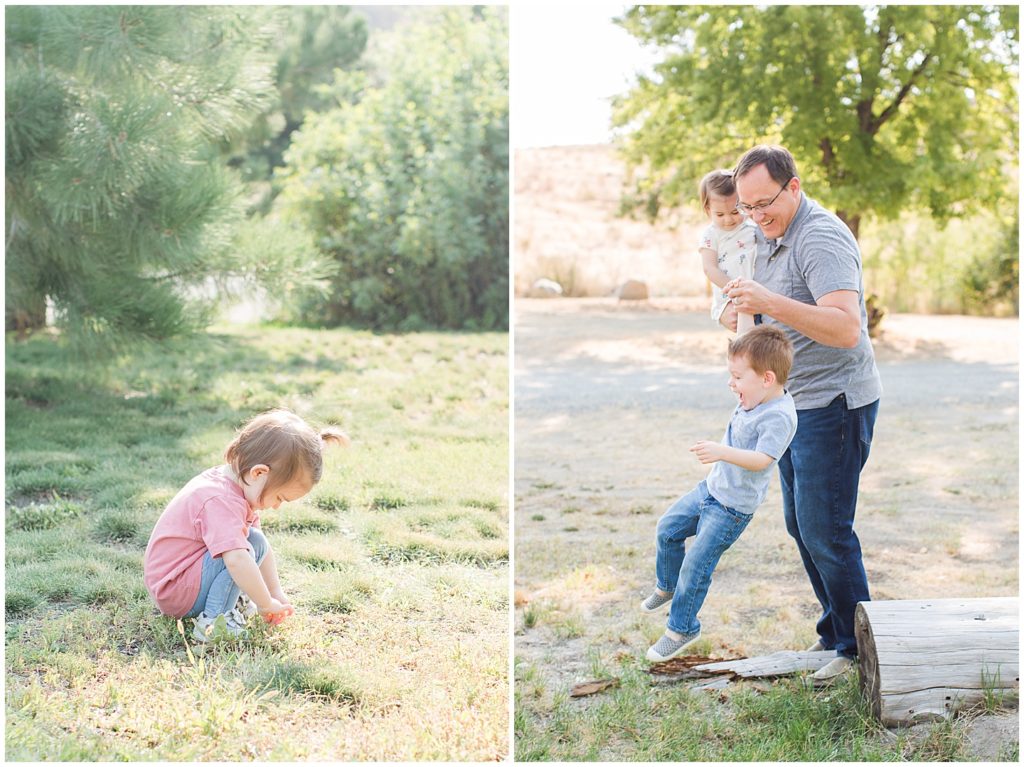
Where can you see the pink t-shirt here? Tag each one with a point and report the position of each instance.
(209, 514)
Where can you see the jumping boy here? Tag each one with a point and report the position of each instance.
(721, 506)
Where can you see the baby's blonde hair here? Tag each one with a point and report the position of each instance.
(718, 182)
(281, 440)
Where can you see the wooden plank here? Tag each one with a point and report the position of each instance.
(776, 664)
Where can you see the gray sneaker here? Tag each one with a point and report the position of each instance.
(655, 602)
(667, 648)
(834, 671)
(816, 647)
(219, 627)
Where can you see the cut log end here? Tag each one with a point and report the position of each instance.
(867, 656)
(926, 659)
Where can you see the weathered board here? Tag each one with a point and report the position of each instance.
(777, 664)
(925, 659)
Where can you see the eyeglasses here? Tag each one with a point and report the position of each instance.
(749, 210)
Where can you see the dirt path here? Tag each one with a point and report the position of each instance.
(610, 397)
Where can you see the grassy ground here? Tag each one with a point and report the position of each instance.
(396, 562)
(784, 721)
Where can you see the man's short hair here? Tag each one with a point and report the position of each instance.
(765, 348)
(777, 159)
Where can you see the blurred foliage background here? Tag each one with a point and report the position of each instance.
(902, 119)
(326, 164)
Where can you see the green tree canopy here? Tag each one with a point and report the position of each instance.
(119, 206)
(314, 41)
(884, 107)
(406, 183)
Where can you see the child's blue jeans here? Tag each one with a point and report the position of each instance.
(218, 591)
(687, 573)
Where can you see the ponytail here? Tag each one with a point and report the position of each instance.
(333, 436)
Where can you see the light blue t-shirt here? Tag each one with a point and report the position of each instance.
(767, 428)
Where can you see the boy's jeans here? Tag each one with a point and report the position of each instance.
(820, 474)
(218, 591)
(688, 573)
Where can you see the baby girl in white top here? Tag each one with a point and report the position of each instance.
(726, 247)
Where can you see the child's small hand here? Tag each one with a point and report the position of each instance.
(707, 451)
(277, 611)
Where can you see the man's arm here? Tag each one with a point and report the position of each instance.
(751, 460)
(833, 321)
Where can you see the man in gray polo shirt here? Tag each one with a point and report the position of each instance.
(808, 281)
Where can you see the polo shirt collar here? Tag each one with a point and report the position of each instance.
(801, 213)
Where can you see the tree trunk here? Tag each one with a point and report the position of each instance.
(852, 221)
(925, 659)
(25, 319)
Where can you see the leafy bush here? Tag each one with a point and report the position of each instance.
(406, 183)
(991, 281)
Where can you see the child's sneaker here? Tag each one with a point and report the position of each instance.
(246, 608)
(667, 648)
(219, 627)
(655, 602)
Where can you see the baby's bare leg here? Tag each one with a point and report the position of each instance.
(744, 322)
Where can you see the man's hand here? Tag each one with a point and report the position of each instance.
(708, 452)
(834, 320)
(748, 296)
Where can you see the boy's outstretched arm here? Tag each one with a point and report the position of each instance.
(751, 460)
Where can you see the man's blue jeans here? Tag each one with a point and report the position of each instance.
(688, 573)
(820, 475)
(218, 591)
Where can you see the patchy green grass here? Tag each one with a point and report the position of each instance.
(396, 562)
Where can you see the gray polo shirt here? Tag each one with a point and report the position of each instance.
(818, 255)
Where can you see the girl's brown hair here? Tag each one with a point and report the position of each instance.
(719, 183)
(284, 442)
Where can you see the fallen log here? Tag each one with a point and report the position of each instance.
(925, 659)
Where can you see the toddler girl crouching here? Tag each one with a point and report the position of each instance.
(207, 554)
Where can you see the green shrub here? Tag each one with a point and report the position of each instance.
(406, 183)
